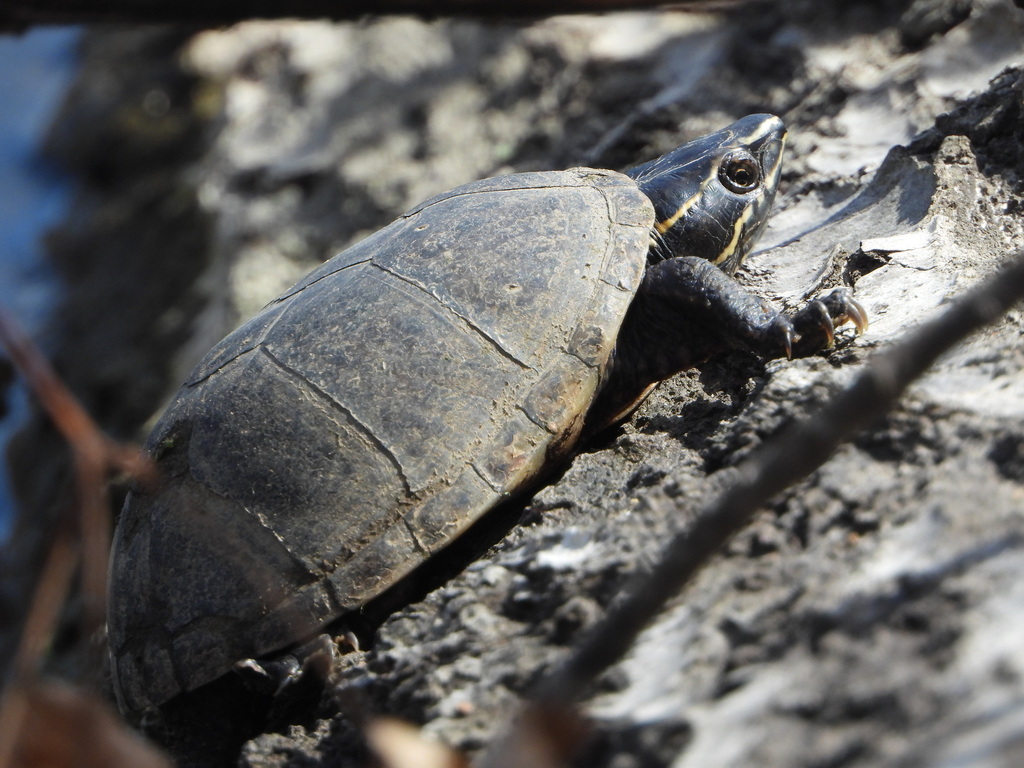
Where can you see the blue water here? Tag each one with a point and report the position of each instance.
(36, 70)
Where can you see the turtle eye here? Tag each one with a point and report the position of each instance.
(740, 172)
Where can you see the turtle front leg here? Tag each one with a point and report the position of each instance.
(686, 311)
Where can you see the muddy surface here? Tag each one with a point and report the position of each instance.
(869, 616)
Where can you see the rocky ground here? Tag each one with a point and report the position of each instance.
(869, 616)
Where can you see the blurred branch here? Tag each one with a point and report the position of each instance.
(94, 455)
(771, 468)
(36, 632)
(68, 728)
(18, 14)
(774, 466)
(78, 540)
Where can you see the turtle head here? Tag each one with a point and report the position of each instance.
(712, 195)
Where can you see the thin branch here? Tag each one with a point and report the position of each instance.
(773, 467)
(94, 455)
(44, 613)
(83, 542)
(22, 13)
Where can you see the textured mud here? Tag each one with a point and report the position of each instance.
(869, 616)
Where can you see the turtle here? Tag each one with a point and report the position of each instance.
(369, 415)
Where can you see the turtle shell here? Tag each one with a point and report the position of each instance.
(367, 417)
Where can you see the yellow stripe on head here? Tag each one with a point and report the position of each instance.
(667, 224)
(737, 233)
(760, 131)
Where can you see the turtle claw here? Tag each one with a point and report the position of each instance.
(856, 314)
(277, 673)
(828, 327)
(787, 342)
(816, 323)
(780, 336)
(348, 638)
(843, 308)
(283, 671)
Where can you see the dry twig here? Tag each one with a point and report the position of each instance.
(80, 540)
(770, 469)
(21, 13)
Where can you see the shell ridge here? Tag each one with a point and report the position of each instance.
(482, 475)
(532, 418)
(197, 381)
(261, 521)
(615, 239)
(615, 244)
(417, 542)
(492, 342)
(259, 326)
(571, 353)
(618, 281)
(246, 349)
(299, 288)
(365, 430)
(566, 179)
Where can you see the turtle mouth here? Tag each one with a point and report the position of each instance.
(770, 156)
